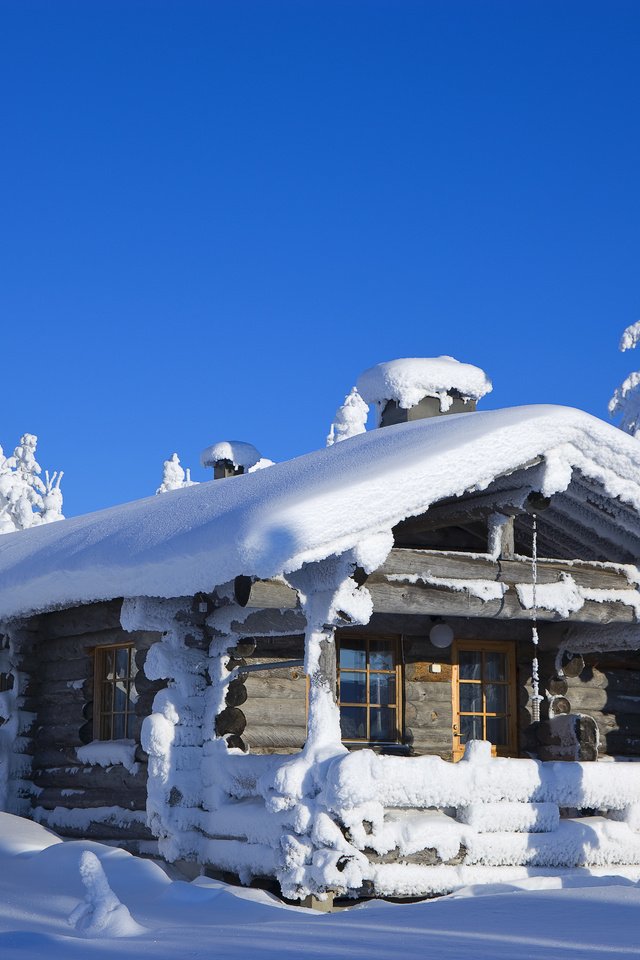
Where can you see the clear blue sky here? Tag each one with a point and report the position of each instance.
(215, 214)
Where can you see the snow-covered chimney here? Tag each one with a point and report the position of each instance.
(230, 458)
(420, 387)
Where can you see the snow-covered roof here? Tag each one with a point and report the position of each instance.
(240, 454)
(408, 381)
(271, 521)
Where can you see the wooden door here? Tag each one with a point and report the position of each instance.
(484, 696)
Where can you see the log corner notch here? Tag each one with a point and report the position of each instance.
(264, 594)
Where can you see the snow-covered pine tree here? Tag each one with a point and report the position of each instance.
(351, 419)
(625, 402)
(6, 485)
(52, 498)
(25, 500)
(174, 477)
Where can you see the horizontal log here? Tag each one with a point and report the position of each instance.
(55, 796)
(264, 594)
(284, 648)
(103, 831)
(260, 686)
(439, 601)
(264, 712)
(75, 668)
(91, 778)
(275, 735)
(83, 619)
(46, 756)
(619, 744)
(464, 566)
(270, 623)
(424, 693)
(272, 665)
(602, 700)
(618, 681)
(618, 723)
(396, 596)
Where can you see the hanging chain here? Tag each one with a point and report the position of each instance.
(535, 675)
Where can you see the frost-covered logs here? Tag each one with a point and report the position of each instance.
(625, 402)
(174, 477)
(173, 734)
(25, 499)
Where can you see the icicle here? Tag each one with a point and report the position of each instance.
(535, 675)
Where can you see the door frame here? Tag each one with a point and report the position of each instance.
(486, 646)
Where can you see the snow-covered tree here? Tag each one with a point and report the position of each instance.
(52, 498)
(625, 402)
(174, 477)
(25, 500)
(351, 419)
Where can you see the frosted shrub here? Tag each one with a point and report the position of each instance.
(174, 477)
(625, 402)
(25, 500)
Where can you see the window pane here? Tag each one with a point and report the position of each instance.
(108, 663)
(122, 662)
(382, 688)
(352, 655)
(470, 729)
(495, 666)
(383, 724)
(497, 730)
(496, 694)
(119, 731)
(133, 694)
(353, 721)
(381, 655)
(353, 687)
(121, 700)
(107, 697)
(470, 665)
(471, 697)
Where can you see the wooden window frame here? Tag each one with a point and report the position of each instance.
(486, 646)
(103, 718)
(366, 640)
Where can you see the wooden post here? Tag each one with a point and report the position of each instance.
(323, 719)
(500, 536)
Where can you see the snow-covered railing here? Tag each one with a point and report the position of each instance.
(399, 826)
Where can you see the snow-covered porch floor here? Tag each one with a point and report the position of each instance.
(574, 916)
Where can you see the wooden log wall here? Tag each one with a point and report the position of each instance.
(428, 694)
(606, 687)
(60, 694)
(276, 704)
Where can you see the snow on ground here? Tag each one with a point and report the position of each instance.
(42, 887)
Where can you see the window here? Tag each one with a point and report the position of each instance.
(484, 696)
(115, 693)
(369, 689)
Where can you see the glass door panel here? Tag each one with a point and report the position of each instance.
(484, 696)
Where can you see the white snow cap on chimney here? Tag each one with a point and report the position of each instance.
(237, 452)
(409, 381)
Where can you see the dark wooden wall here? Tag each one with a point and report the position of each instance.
(276, 705)
(60, 694)
(607, 688)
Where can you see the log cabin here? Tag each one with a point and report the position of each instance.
(392, 667)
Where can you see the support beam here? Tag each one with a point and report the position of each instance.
(400, 586)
